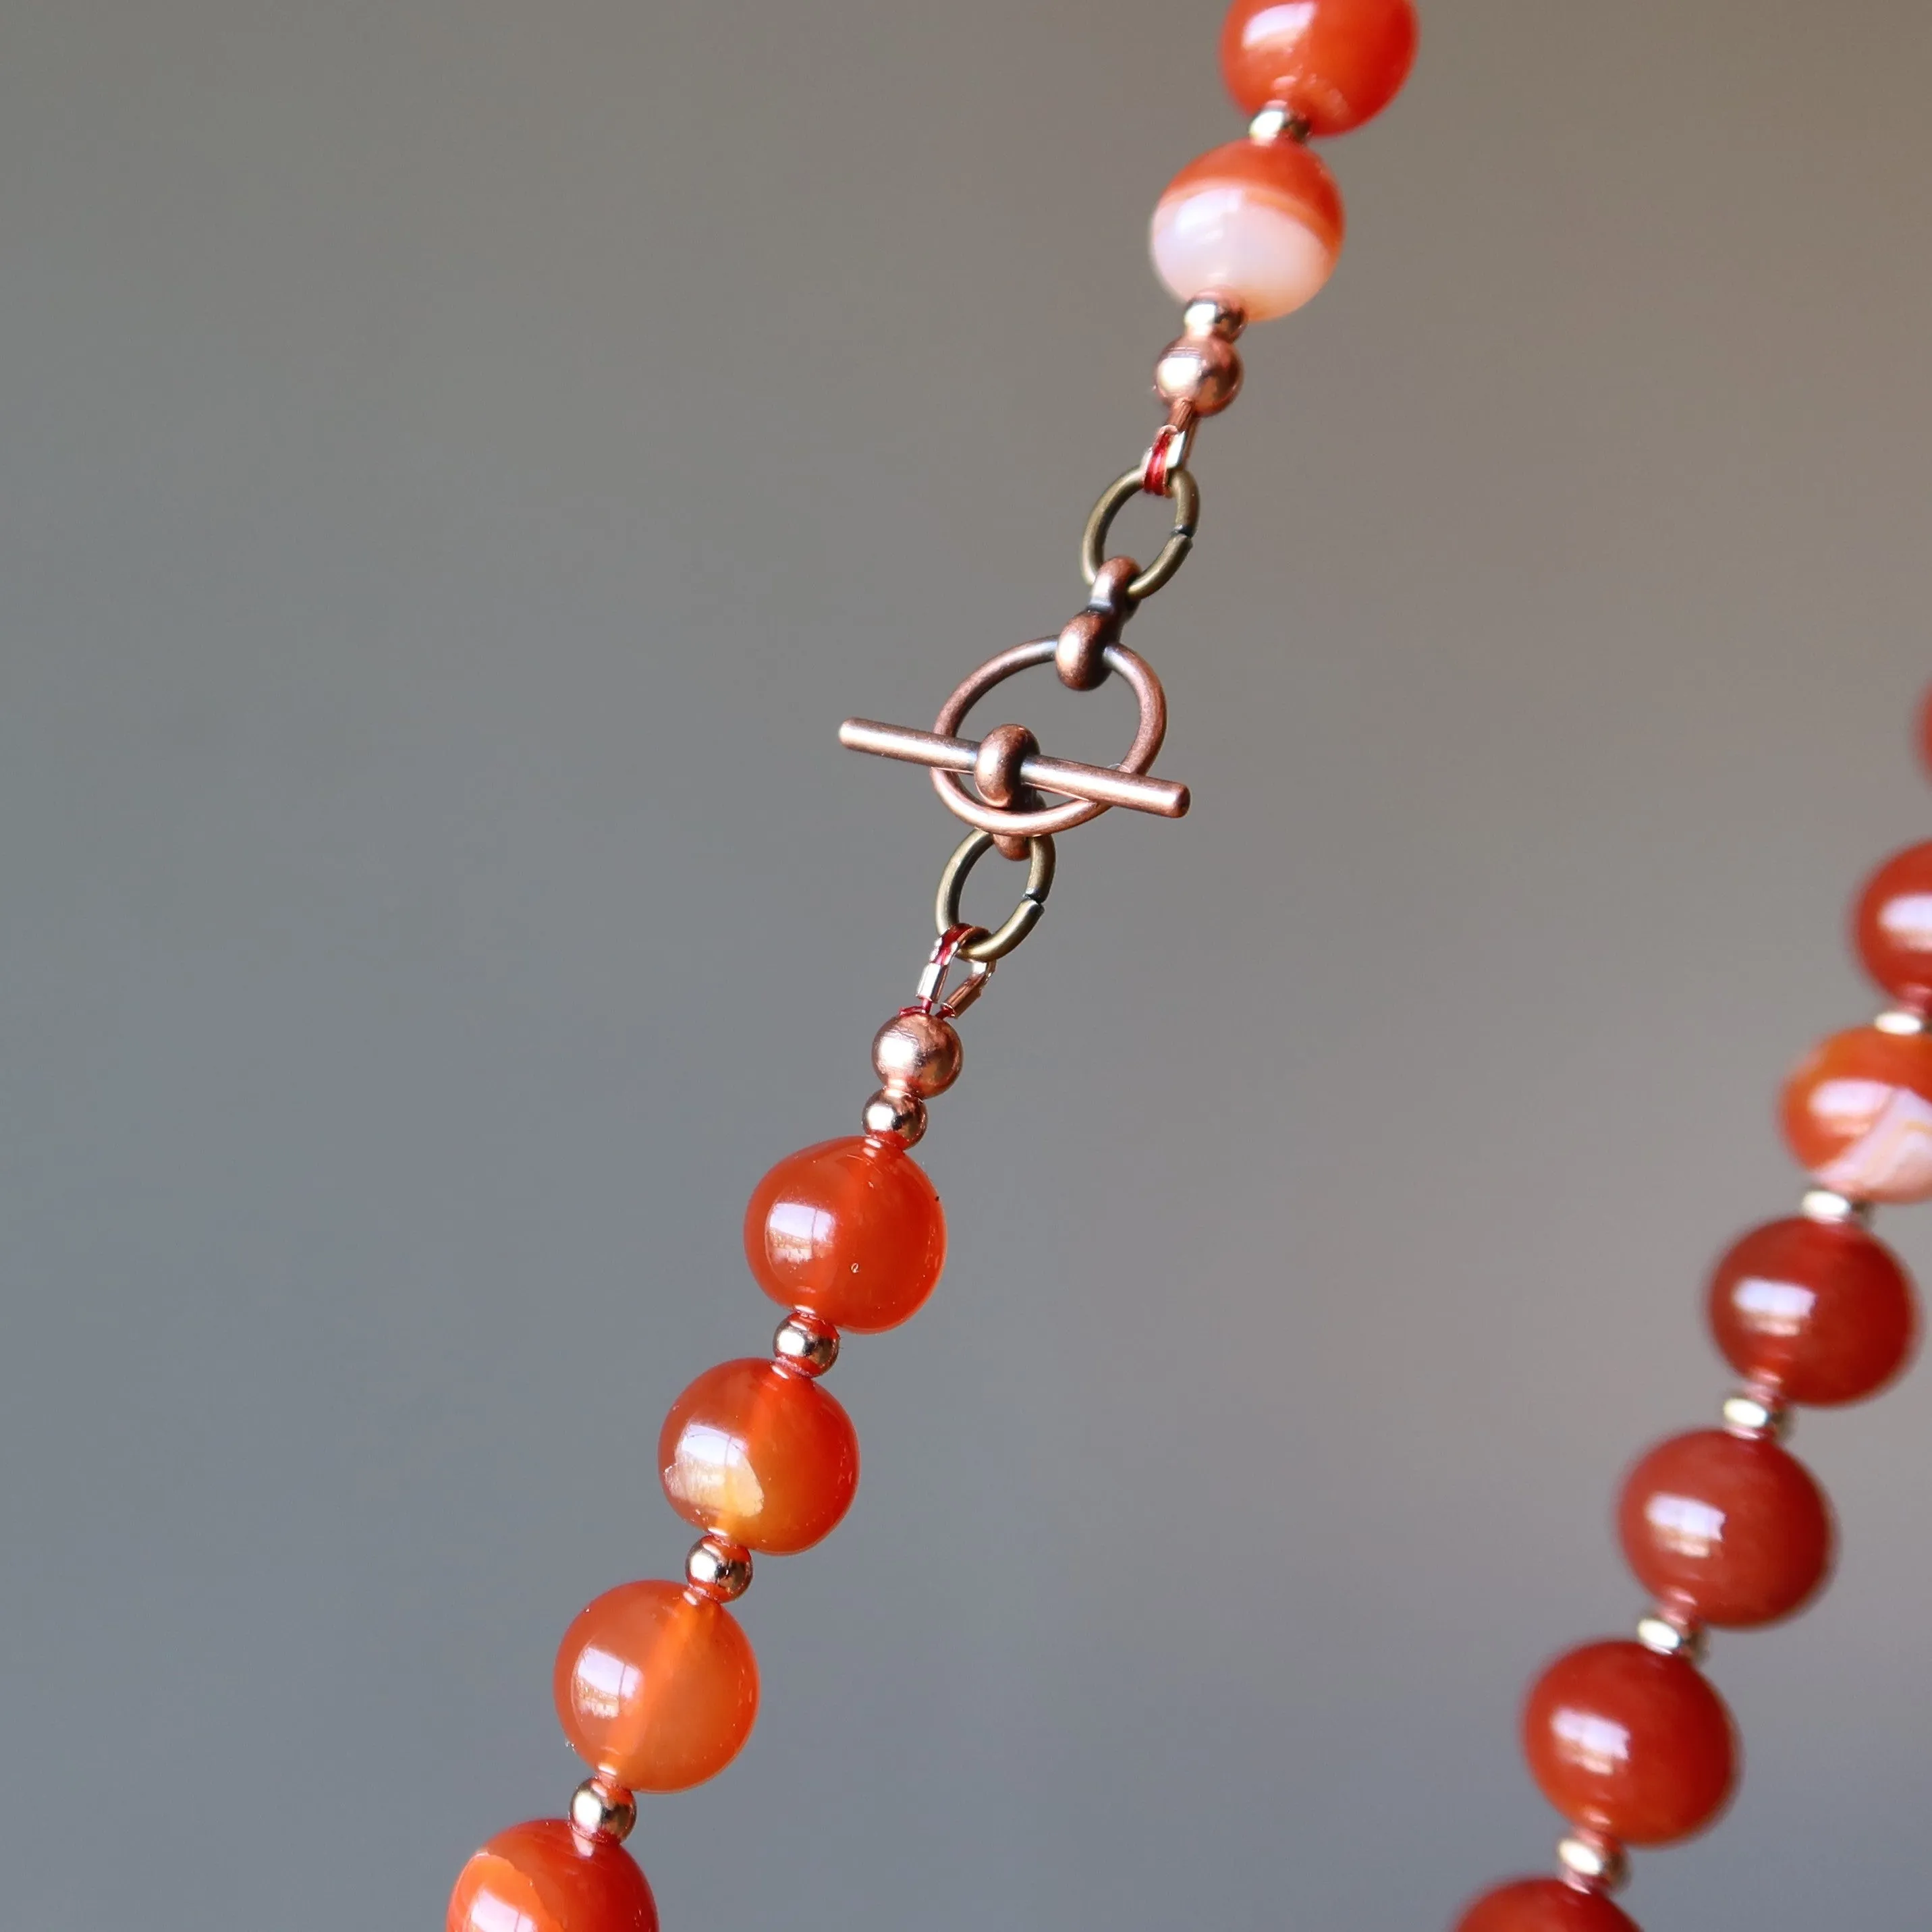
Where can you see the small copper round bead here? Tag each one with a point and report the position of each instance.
(1671, 1634)
(917, 1053)
(1214, 315)
(1756, 1412)
(806, 1344)
(996, 771)
(718, 1568)
(1080, 657)
(893, 1111)
(1594, 1861)
(600, 1807)
(1203, 371)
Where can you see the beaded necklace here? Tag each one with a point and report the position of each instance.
(655, 1684)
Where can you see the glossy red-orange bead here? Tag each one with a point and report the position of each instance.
(1260, 222)
(1544, 1905)
(1857, 1113)
(1334, 63)
(656, 1686)
(546, 1877)
(757, 1453)
(1629, 1743)
(1814, 1312)
(850, 1230)
(1891, 926)
(1731, 1529)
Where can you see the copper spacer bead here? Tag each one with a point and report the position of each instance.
(1213, 314)
(718, 1568)
(917, 1053)
(806, 1344)
(600, 1807)
(1593, 1862)
(996, 771)
(1202, 371)
(1081, 655)
(894, 1111)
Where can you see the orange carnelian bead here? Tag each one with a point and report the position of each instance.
(1730, 1528)
(1260, 222)
(1813, 1313)
(1544, 1905)
(755, 1452)
(1891, 925)
(546, 1877)
(1858, 1113)
(850, 1231)
(1629, 1743)
(1334, 63)
(656, 1686)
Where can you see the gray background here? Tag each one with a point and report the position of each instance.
(461, 459)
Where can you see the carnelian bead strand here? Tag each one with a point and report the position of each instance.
(1259, 222)
(654, 1684)
(1724, 1527)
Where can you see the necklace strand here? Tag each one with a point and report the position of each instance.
(656, 1683)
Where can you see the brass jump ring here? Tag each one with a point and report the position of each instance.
(1185, 493)
(990, 946)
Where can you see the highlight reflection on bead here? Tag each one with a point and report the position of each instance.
(759, 1452)
(1857, 1112)
(656, 1686)
(850, 1230)
(1891, 925)
(1731, 1529)
(546, 1877)
(1820, 1312)
(1633, 1744)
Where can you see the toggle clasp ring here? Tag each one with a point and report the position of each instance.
(1148, 735)
(988, 947)
(1185, 493)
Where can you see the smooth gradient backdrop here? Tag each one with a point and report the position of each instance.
(459, 460)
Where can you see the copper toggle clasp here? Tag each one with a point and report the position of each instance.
(1012, 758)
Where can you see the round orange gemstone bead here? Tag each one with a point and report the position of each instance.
(1814, 1312)
(1857, 1114)
(1630, 1743)
(656, 1686)
(850, 1231)
(1891, 926)
(1731, 1528)
(1544, 1905)
(1259, 221)
(1335, 63)
(546, 1877)
(757, 1452)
